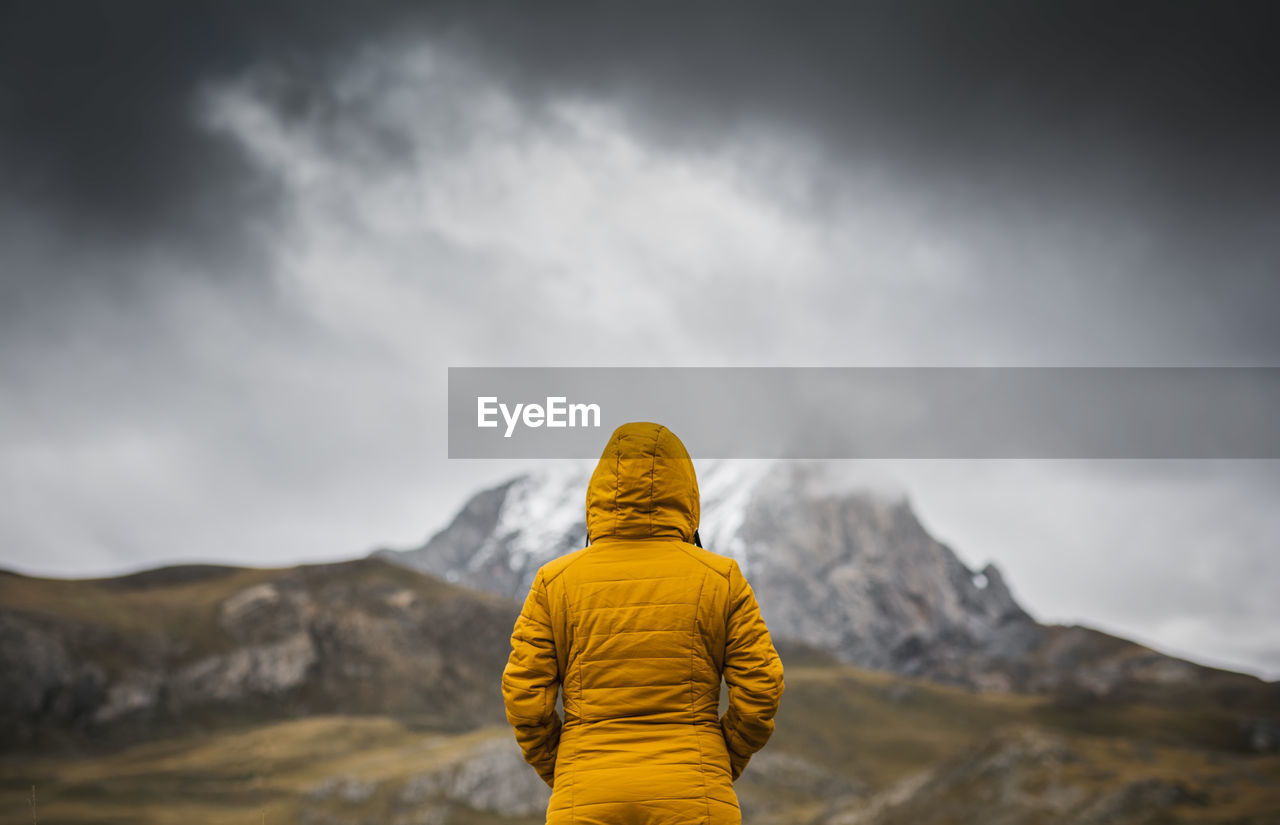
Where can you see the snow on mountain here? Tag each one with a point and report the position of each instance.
(541, 510)
(726, 488)
(837, 558)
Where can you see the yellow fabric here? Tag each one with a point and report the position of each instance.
(637, 630)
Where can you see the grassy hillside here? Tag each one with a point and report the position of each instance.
(105, 661)
(366, 693)
(185, 599)
(850, 747)
(301, 770)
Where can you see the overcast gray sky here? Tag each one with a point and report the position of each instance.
(239, 249)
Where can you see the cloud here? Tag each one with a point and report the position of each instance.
(240, 248)
(1074, 149)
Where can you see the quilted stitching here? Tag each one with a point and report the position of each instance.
(636, 632)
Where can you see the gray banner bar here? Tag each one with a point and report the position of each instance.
(872, 412)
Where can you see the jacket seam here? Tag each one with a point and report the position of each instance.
(651, 799)
(688, 551)
(693, 660)
(636, 630)
(617, 486)
(549, 694)
(653, 474)
(632, 605)
(563, 566)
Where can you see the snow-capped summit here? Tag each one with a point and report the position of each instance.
(837, 558)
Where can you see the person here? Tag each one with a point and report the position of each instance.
(635, 632)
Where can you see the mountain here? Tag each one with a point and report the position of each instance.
(850, 747)
(841, 563)
(363, 692)
(180, 647)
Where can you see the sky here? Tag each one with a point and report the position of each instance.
(239, 249)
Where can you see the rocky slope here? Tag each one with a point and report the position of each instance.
(207, 645)
(364, 692)
(1024, 774)
(840, 564)
(850, 747)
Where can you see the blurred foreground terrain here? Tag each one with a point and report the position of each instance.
(918, 691)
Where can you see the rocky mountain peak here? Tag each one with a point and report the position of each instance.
(837, 557)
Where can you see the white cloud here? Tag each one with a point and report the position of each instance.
(432, 219)
(546, 234)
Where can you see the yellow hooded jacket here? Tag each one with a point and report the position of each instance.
(637, 629)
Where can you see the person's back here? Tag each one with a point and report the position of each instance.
(637, 629)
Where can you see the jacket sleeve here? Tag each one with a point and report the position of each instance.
(531, 681)
(753, 672)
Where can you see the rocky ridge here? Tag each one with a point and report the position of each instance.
(178, 645)
(839, 563)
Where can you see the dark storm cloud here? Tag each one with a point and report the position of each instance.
(1147, 124)
(1184, 90)
(99, 129)
(97, 97)
(1155, 115)
(1091, 183)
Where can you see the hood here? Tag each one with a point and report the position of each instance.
(643, 487)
